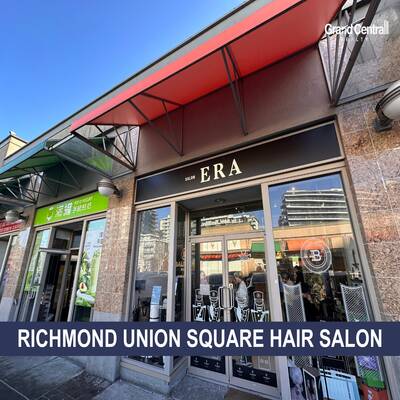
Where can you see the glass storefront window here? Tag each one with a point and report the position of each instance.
(180, 269)
(34, 275)
(4, 268)
(321, 280)
(89, 270)
(150, 301)
(227, 220)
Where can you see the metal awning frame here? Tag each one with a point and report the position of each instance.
(339, 71)
(62, 155)
(10, 201)
(126, 160)
(39, 183)
(126, 155)
(178, 148)
(218, 43)
(19, 193)
(36, 189)
(235, 84)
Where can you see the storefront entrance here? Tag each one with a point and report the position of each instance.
(229, 283)
(282, 246)
(60, 281)
(50, 279)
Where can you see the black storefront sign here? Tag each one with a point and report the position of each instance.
(291, 151)
(252, 374)
(210, 364)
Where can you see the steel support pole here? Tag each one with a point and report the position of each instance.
(354, 54)
(235, 91)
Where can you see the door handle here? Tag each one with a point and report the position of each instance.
(221, 297)
(225, 294)
(230, 297)
(31, 294)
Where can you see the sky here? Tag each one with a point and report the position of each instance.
(57, 56)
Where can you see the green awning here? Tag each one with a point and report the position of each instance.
(48, 153)
(15, 175)
(33, 160)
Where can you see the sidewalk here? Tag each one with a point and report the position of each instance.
(56, 378)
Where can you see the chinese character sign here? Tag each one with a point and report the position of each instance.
(78, 207)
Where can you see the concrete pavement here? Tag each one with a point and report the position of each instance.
(57, 378)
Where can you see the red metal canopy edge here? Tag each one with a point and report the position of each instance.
(272, 33)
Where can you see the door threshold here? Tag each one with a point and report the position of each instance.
(235, 393)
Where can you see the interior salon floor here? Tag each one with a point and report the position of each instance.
(56, 378)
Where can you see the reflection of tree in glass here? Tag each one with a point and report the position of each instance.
(94, 269)
(85, 269)
(34, 262)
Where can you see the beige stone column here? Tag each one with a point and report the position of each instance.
(112, 284)
(373, 160)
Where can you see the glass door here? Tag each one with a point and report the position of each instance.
(229, 283)
(52, 295)
(247, 271)
(48, 269)
(209, 293)
(33, 277)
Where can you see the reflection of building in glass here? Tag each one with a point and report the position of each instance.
(152, 253)
(301, 207)
(230, 219)
(149, 221)
(230, 222)
(99, 239)
(153, 244)
(165, 224)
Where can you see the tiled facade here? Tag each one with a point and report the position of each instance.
(116, 252)
(373, 160)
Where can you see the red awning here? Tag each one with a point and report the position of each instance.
(271, 33)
